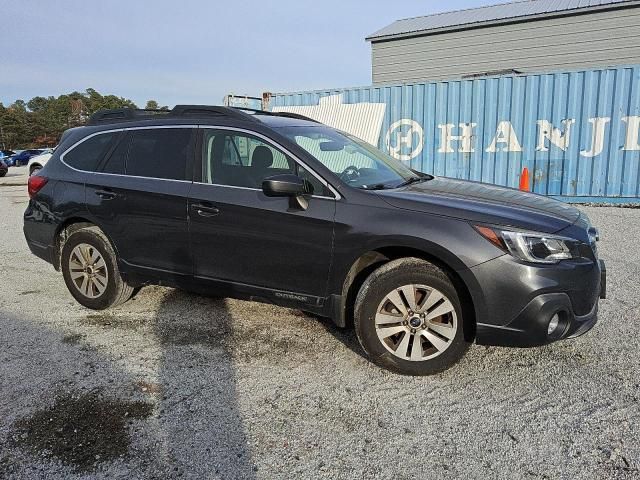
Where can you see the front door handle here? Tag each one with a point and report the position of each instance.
(205, 210)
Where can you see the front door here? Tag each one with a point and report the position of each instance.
(241, 236)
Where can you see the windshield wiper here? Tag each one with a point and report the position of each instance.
(415, 179)
(375, 186)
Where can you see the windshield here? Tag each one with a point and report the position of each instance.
(355, 162)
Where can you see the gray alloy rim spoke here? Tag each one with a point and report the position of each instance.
(409, 292)
(440, 344)
(389, 331)
(84, 253)
(84, 286)
(396, 300)
(100, 281)
(446, 331)
(75, 263)
(403, 347)
(88, 270)
(434, 297)
(416, 349)
(442, 309)
(416, 322)
(76, 274)
(386, 318)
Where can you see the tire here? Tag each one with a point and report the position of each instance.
(105, 287)
(388, 333)
(35, 169)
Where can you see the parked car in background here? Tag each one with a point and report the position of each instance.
(3, 168)
(36, 163)
(6, 153)
(279, 208)
(22, 158)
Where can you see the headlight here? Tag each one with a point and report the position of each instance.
(531, 246)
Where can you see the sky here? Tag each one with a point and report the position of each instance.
(192, 51)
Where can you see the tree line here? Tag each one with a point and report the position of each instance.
(41, 121)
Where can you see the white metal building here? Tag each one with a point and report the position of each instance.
(520, 37)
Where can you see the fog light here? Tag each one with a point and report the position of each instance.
(553, 324)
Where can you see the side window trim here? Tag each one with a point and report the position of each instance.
(335, 195)
(126, 129)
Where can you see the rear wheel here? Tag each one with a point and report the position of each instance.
(408, 318)
(34, 169)
(90, 269)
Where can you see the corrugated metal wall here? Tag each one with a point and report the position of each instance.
(590, 40)
(577, 132)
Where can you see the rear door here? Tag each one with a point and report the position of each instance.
(240, 235)
(140, 198)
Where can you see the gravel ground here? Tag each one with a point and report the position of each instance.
(177, 385)
(15, 176)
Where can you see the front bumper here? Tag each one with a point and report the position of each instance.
(529, 328)
(570, 291)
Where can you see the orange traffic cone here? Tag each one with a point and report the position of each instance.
(524, 180)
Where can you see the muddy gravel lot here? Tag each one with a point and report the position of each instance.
(177, 385)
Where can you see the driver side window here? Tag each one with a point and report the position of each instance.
(240, 160)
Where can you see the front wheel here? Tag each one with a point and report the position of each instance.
(90, 270)
(408, 318)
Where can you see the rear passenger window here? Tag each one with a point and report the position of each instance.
(116, 161)
(160, 153)
(87, 155)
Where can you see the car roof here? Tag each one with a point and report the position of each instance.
(204, 114)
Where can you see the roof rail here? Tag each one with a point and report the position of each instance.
(278, 114)
(116, 115)
(208, 111)
(130, 114)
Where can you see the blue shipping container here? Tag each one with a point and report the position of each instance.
(577, 132)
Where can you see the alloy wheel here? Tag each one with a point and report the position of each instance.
(88, 270)
(416, 322)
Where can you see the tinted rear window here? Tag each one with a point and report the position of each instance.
(115, 163)
(88, 154)
(160, 153)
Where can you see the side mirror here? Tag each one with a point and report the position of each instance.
(284, 186)
(288, 185)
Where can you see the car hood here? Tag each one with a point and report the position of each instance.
(483, 203)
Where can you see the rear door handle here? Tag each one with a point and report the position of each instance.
(106, 194)
(205, 210)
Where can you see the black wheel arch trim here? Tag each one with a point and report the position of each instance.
(70, 222)
(342, 296)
